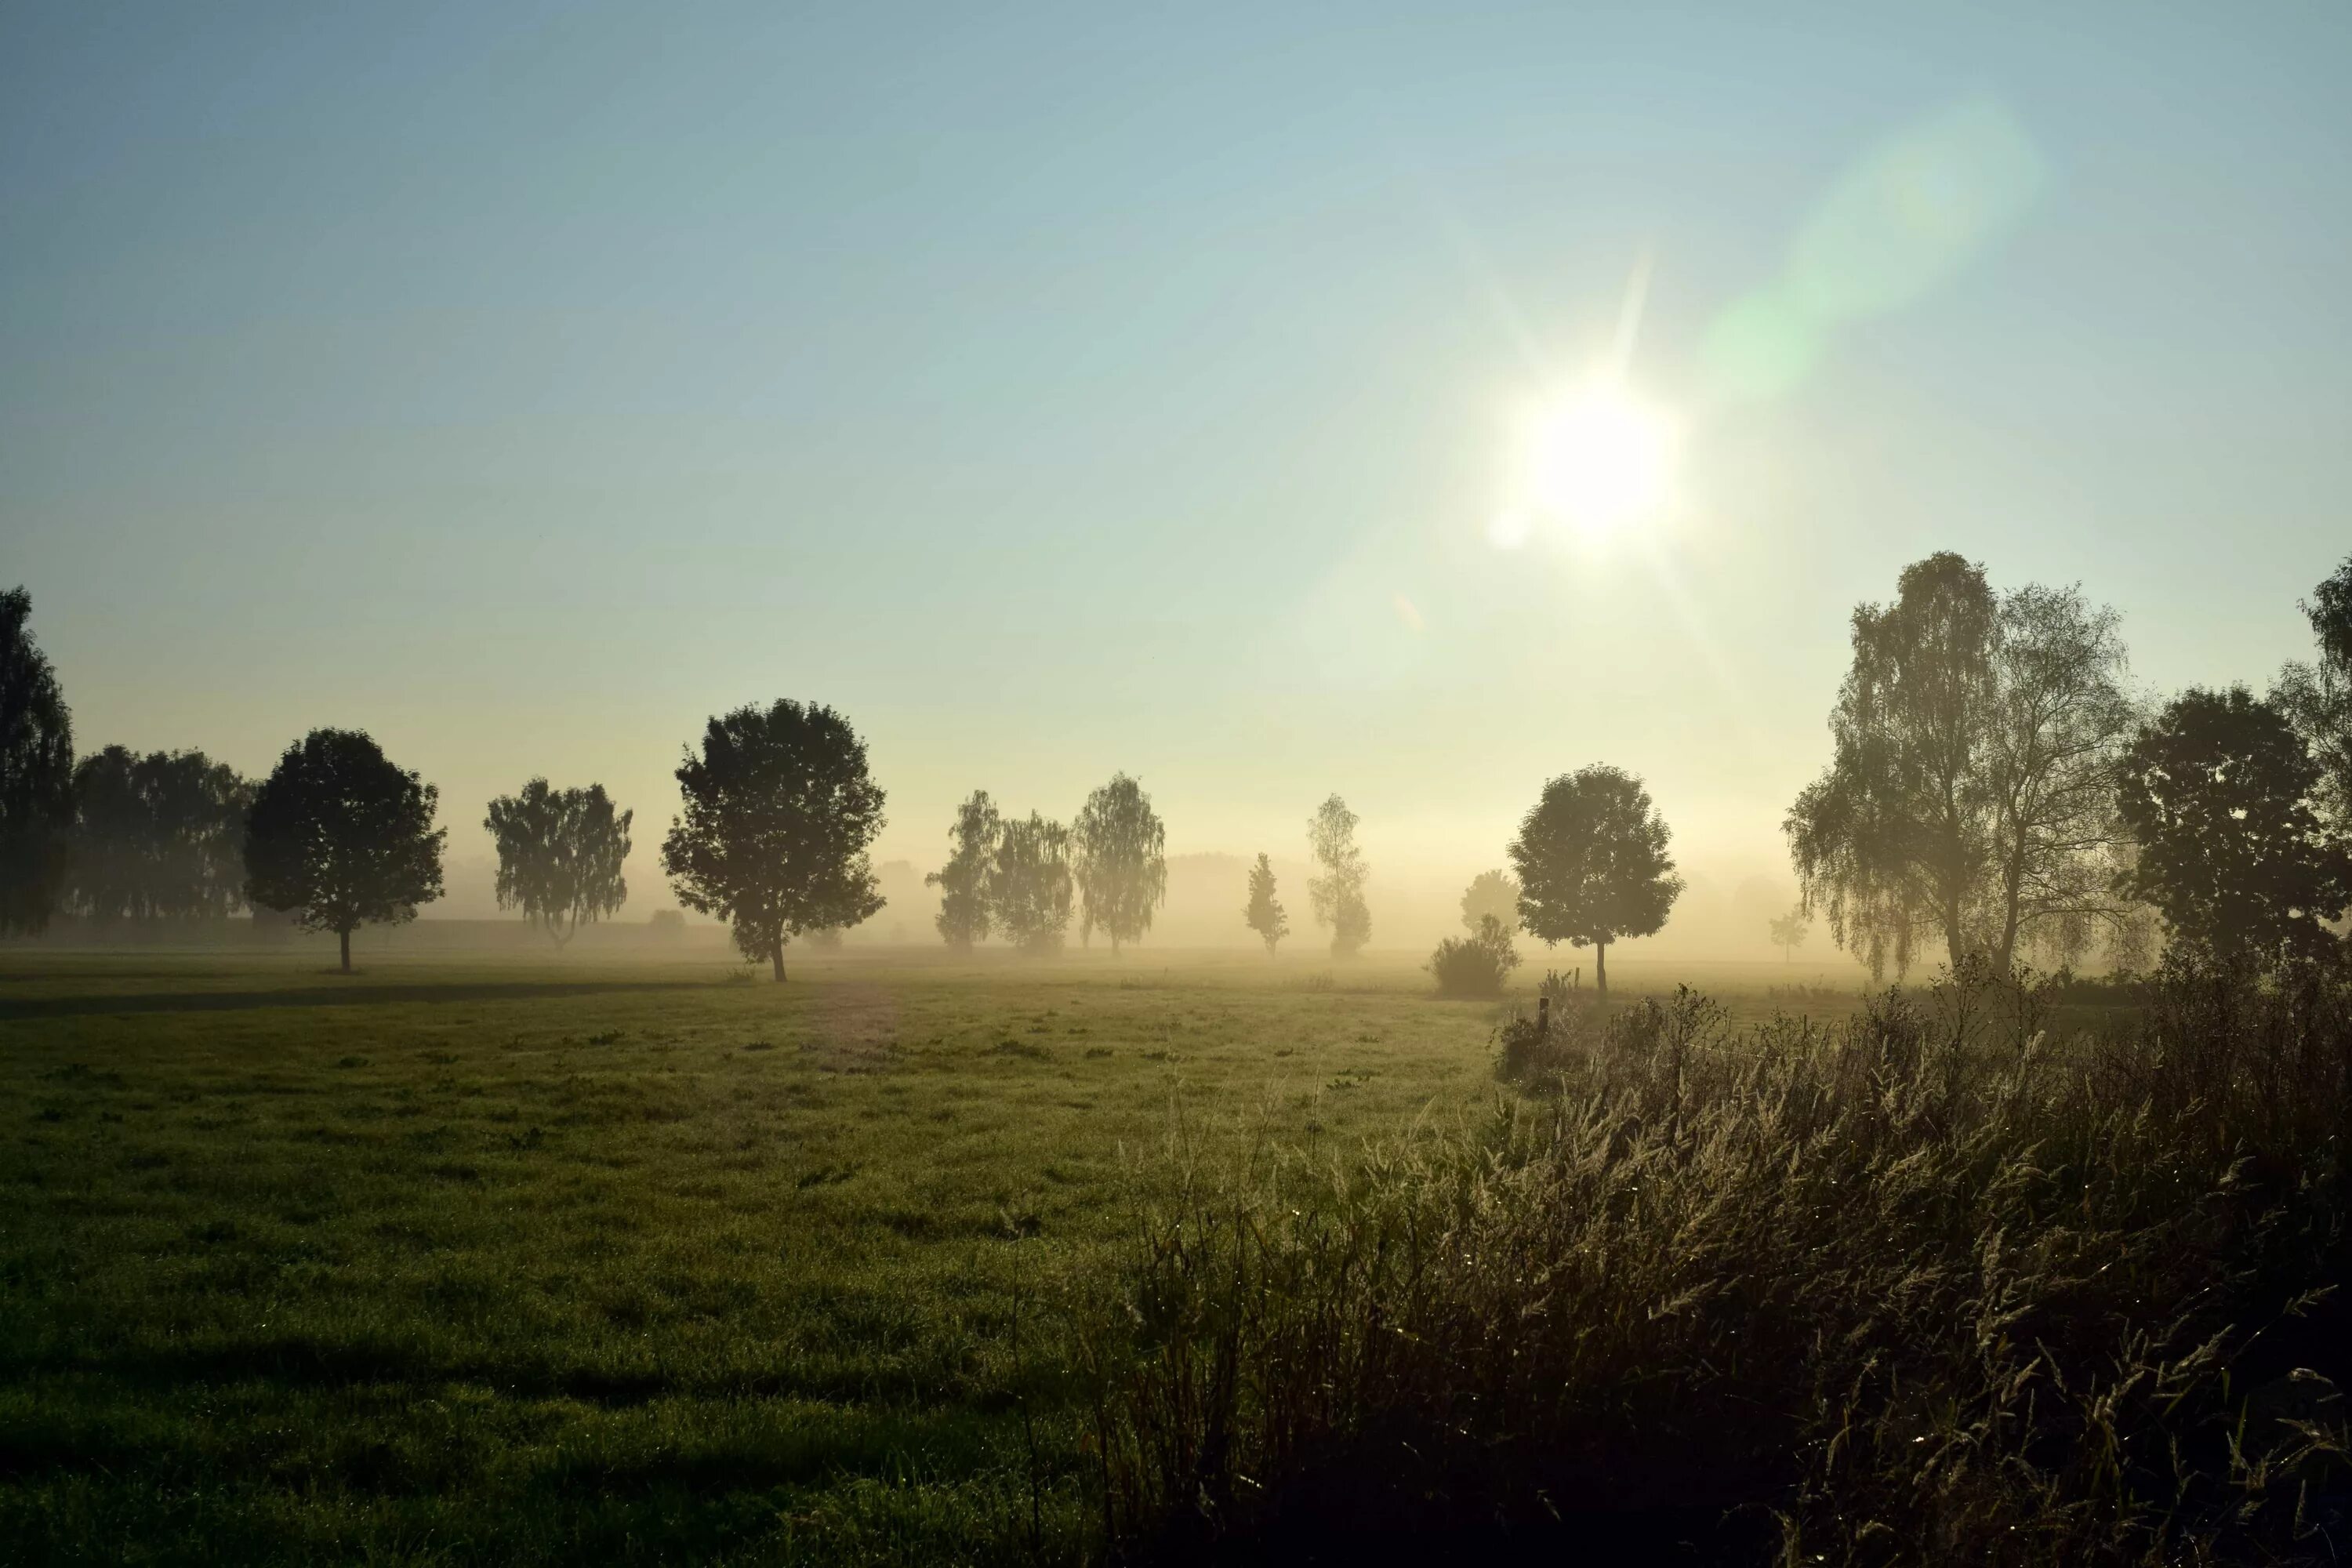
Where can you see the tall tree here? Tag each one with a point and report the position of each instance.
(1592, 863)
(2218, 791)
(779, 812)
(1495, 894)
(559, 855)
(963, 917)
(37, 765)
(1029, 883)
(1970, 795)
(2318, 696)
(1338, 895)
(157, 837)
(1120, 850)
(1264, 914)
(341, 837)
(1789, 932)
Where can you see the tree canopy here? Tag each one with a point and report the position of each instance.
(2217, 790)
(559, 855)
(1337, 894)
(36, 766)
(2317, 696)
(1118, 847)
(341, 837)
(778, 813)
(157, 837)
(1592, 863)
(1029, 886)
(1970, 791)
(1495, 894)
(963, 917)
(1789, 932)
(1263, 913)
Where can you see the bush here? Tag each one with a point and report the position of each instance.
(1475, 965)
(1928, 1286)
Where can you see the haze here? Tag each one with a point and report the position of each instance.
(1080, 390)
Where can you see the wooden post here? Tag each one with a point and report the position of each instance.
(1543, 1015)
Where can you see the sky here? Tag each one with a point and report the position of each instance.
(1058, 390)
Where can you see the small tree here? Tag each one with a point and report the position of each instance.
(1338, 895)
(559, 855)
(2218, 791)
(1475, 965)
(36, 767)
(1265, 915)
(1592, 864)
(780, 811)
(1495, 894)
(963, 917)
(1029, 883)
(1119, 847)
(340, 838)
(157, 837)
(2318, 696)
(1789, 932)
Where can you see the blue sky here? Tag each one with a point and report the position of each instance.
(1066, 389)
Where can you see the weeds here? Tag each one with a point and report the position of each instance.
(1929, 1285)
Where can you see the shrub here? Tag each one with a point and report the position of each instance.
(1475, 965)
(1928, 1286)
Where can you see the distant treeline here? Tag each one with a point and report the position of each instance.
(1994, 791)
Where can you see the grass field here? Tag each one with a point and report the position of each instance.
(452, 1261)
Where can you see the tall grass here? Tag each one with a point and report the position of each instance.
(1944, 1283)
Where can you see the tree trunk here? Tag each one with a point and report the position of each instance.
(776, 960)
(1601, 968)
(346, 934)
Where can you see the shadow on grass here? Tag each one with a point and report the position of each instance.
(328, 996)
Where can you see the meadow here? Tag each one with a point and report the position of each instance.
(620, 1258)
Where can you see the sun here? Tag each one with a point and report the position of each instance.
(1598, 460)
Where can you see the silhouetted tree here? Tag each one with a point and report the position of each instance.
(780, 811)
(1789, 933)
(963, 881)
(2318, 697)
(1970, 794)
(1118, 847)
(2217, 790)
(36, 766)
(1592, 864)
(340, 838)
(156, 837)
(1029, 883)
(1495, 894)
(1338, 895)
(1264, 914)
(559, 855)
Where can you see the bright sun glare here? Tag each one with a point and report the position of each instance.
(1598, 459)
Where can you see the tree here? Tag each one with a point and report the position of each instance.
(37, 765)
(1592, 863)
(779, 812)
(1119, 846)
(1029, 883)
(559, 855)
(963, 917)
(1338, 895)
(1475, 965)
(2318, 697)
(2217, 790)
(341, 837)
(1970, 791)
(1789, 932)
(1265, 915)
(1495, 894)
(156, 837)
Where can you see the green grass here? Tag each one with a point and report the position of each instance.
(456, 1262)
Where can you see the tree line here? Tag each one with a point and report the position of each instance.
(1994, 789)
